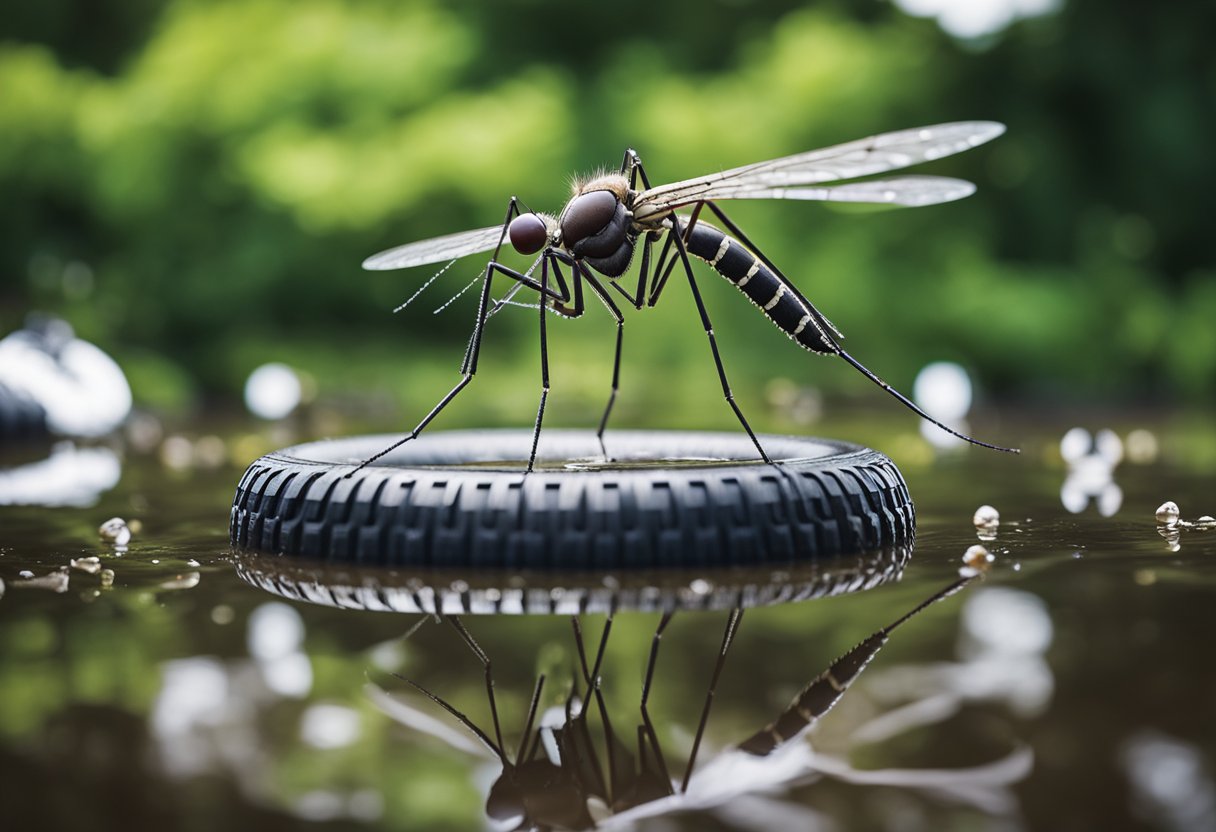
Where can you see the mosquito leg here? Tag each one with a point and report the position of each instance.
(732, 625)
(666, 267)
(675, 234)
(638, 299)
(464, 720)
(591, 678)
(531, 720)
(631, 166)
(467, 370)
(468, 639)
(662, 271)
(544, 366)
(646, 721)
(615, 311)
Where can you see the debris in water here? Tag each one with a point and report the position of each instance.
(107, 577)
(25, 573)
(116, 531)
(986, 517)
(187, 581)
(1167, 513)
(56, 581)
(1205, 521)
(976, 560)
(92, 565)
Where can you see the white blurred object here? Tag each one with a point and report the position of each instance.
(275, 640)
(943, 390)
(1171, 784)
(272, 391)
(1091, 471)
(70, 476)
(969, 19)
(82, 390)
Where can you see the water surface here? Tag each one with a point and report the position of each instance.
(1069, 687)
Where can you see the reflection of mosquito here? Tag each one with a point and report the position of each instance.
(556, 778)
(601, 225)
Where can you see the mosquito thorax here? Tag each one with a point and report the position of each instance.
(596, 225)
(528, 233)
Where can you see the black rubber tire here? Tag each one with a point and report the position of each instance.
(20, 416)
(668, 499)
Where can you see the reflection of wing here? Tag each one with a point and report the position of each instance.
(864, 157)
(436, 249)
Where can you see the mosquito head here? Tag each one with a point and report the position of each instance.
(528, 233)
(540, 794)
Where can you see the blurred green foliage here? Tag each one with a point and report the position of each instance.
(193, 184)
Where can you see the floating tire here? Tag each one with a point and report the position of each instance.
(665, 500)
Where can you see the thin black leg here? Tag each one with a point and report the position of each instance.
(675, 234)
(468, 366)
(646, 721)
(615, 311)
(531, 720)
(662, 270)
(631, 166)
(485, 663)
(544, 364)
(638, 299)
(732, 624)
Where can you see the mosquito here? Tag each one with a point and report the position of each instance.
(598, 232)
(563, 776)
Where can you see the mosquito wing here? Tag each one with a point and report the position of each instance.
(785, 178)
(436, 249)
(912, 191)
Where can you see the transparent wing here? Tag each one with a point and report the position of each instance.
(911, 191)
(436, 249)
(864, 157)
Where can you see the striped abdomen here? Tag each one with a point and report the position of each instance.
(784, 308)
(817, 698)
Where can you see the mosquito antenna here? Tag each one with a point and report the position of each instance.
(432, 279)
(453, 298)
(908, 403)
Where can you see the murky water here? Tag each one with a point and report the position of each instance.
(1071, 686)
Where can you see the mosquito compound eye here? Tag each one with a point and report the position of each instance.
(587, 215)
(528, 233)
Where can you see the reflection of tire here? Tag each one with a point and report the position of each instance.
(666, 500)
(20, 416)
